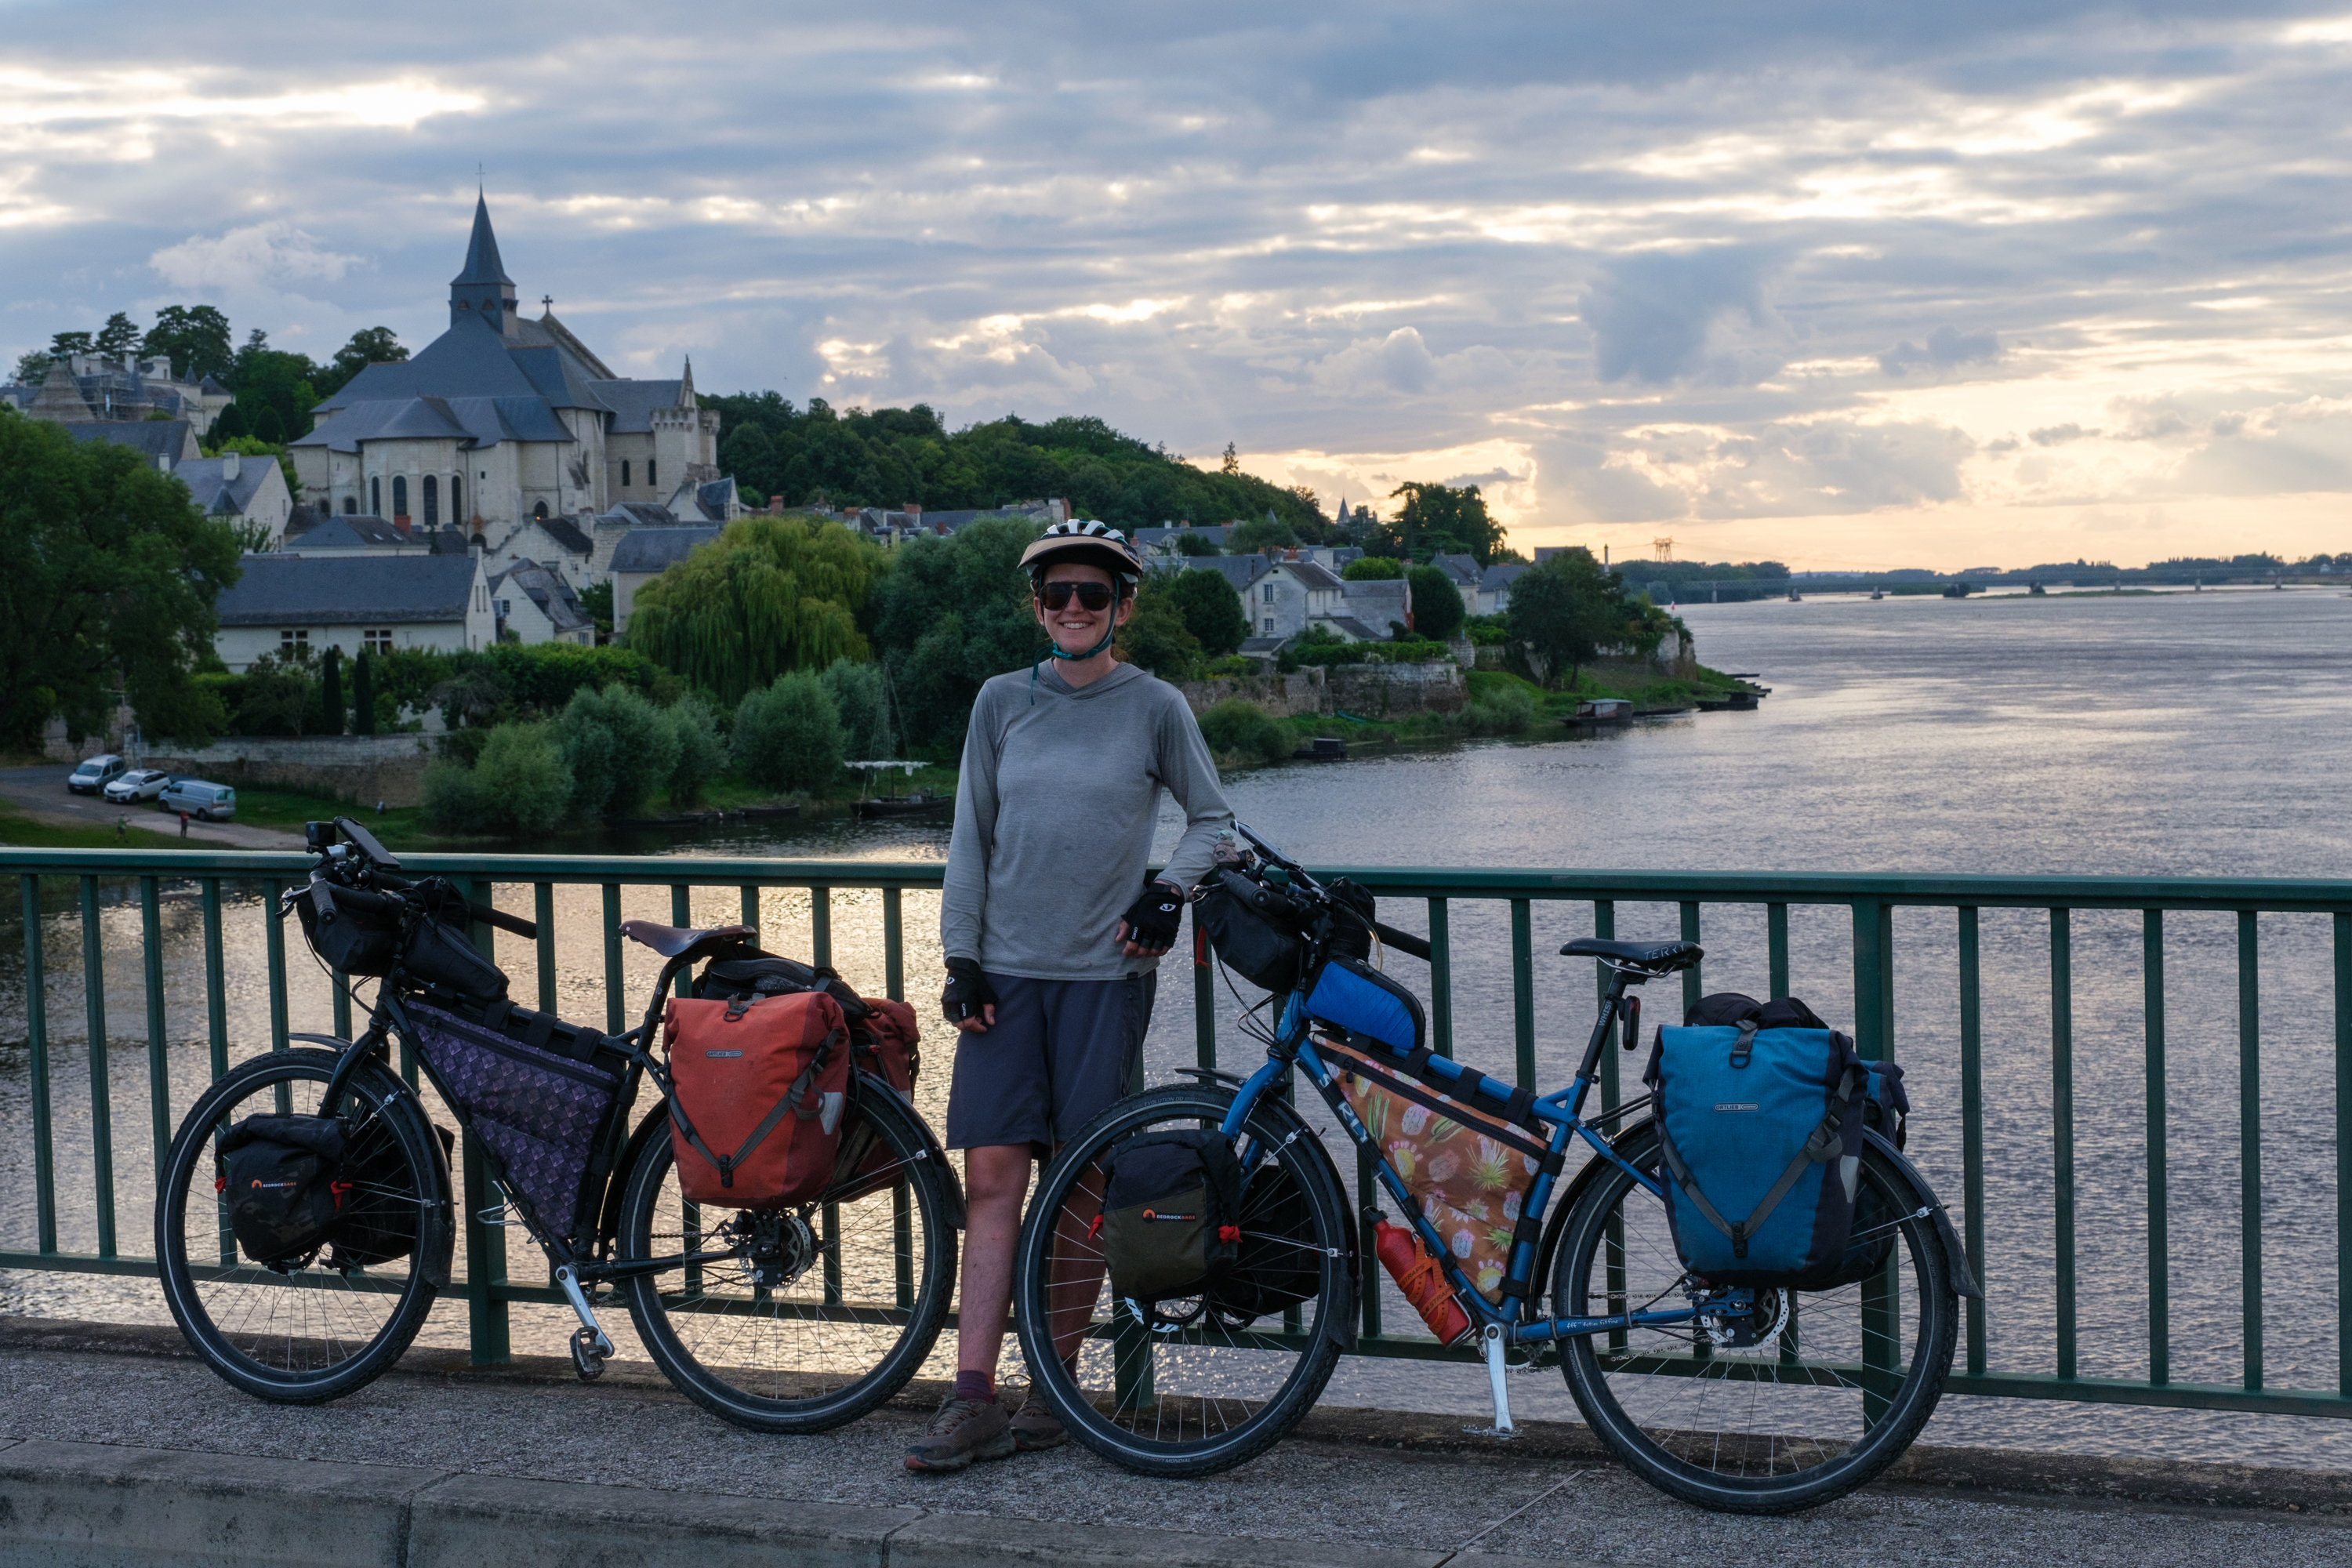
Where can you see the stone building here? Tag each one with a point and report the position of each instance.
(89, 389)
(502, 419)
(295, 605)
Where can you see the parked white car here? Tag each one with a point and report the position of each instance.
(95, 773)
(138, 784)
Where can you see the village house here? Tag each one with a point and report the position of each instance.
(533, 604)
(235, 488)
(292, 606)
(643, 554)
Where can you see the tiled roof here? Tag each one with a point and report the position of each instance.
(1501, 574)
(1311, 575)
(1463, 569)
(169, 439)
(213, 493)
(389, 590)
(547, 590)
(657, 549)
(633, 402)
(1240, 571)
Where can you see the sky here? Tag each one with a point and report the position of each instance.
(1842, 284)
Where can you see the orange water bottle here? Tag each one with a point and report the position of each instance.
(1422, 1279)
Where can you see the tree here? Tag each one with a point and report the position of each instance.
(788, 733)
(701, 756)
(196, 338)
(1566, 610)
(1439, 520)
(861, 696)
(363, 694)
(279, 696)
(331, 689)
(519, 785)
(1372, 569)
(1437, 611)
(108, 579)
(1260, 533)
(952, 613)
(118, 338)
(769, 594)
(32, 368)
(597, 600)
(1213, 612)
(620, 748)
(370, 345)
(1191, 543)
(66, 343)
(1156, 636)
(1233, 464)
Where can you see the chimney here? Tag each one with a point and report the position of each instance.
(400, 524)
(913, 509)
(775, 506)
(230, 463)
(1290, 554)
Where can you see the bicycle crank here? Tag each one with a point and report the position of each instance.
(590, 1346)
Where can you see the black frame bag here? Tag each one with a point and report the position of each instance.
(1171, 1222)
(282, 1180)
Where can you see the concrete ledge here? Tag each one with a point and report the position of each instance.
(490, 1521)
(92, 1505)
(954, 1541)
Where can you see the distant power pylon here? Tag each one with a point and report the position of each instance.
(1664, 547)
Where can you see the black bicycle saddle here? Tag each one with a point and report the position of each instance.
(1659, 957)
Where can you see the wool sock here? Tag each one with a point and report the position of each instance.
(978, 1385)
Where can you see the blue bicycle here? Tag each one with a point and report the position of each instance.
(1752, 1401)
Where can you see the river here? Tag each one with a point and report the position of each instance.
(2175, 734)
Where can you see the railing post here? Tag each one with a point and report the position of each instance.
(681, 913)
(1441, 978)
(1693, 987)
(1972, 1129)
(616, 1002)
(215, 980)
(101, 1097)
(2250, 1142)
(1880, 1323)
(486, 1244)
(274, 931)
(893, 951)
(159, 1062)
(2061, 1126)
(2159, 1230)
(2343, 924)
(36, 1033)
(542, 914)
(1604, 927)
(749, 892)
(1776, 948)
(821, 925)
(1204, 995)
(1523, 989)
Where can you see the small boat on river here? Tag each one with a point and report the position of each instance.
(1321, 749)
(1602, 710)
(922, 802)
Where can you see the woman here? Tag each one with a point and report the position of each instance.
(1052, 933)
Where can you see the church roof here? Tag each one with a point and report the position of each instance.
(633, 402)
(482, 265)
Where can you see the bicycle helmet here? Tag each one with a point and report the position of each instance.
(1086, 543)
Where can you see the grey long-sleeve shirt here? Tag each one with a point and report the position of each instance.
(1053, 818)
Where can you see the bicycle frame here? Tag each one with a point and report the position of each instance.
(1562, 1113)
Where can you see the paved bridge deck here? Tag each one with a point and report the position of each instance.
(116, 1446)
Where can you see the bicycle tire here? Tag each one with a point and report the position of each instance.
(266, 1359)
(1277, 1127)
(680, 1330)
(1749, 1471)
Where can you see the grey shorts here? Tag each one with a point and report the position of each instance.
(1060, 1053)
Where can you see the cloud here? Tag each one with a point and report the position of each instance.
(272, 254)
(1945, 348)
(2054, 436)
(1652, 314)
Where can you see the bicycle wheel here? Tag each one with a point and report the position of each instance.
(1192, 1387)
(306, 1331)
(796, 1320)
(1809, 1397)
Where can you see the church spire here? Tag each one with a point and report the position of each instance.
(483, 288)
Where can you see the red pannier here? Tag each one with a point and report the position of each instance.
(759, 1085)
(882, 1042)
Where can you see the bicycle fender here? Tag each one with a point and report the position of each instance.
(1297, 1134)
(438, 1244)
(1564, 1204)
(608, 1219)
(868, 1083)
(1964, 1279)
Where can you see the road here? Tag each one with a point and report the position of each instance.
(40, 792)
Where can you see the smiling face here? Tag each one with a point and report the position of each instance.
(1074, 628)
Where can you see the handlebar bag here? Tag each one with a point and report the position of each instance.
(758, 1090)
(1171, 1224)
(1762, 1144)
(353, 934)
(282, 1180)
(539, 1093)
(1251, 945)
(444, 957)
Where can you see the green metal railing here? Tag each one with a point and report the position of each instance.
(1871, 901)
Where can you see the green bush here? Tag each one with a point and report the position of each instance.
(621, 749)
(1372, 569)
(702, 755)
(1437, 612)
(863, 699)
(788, 734)
(1156, 636)
(1213, 611)
(520, 786)
(1237, 727)
(1505, 706)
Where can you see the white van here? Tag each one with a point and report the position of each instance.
(205, 802)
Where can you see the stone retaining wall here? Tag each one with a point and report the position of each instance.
(362, 768)
(1302, 692)
(1393, 690)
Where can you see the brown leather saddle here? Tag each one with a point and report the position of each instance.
(679, 942)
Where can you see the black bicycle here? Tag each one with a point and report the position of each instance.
(794, 1320)
(1751, 1401)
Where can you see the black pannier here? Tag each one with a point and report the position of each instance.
(1261, 949)
(384, 1207)
(282, 1180)
(1170, 1224)
(1276, 1264)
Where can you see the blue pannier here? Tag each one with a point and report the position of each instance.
(1762, 1148)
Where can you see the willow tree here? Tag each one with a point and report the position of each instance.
(770, 594)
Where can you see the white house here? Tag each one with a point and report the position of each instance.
(534, 605)
(283, 604)
(644, 554)
(240, 489)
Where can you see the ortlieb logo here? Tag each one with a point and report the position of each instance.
(1739, 1105)
(1154, 1214)
(722, 1053)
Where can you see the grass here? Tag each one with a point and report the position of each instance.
(267, 805)
(21, 831)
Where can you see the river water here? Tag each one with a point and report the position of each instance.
(2170, 734)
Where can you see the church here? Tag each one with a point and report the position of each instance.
(502, 419)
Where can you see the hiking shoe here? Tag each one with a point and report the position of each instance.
(963, 1430)
(1035, 1426)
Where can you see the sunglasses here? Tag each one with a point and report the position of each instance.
(1090, 595)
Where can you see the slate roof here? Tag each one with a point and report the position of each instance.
(359, 531)
(1157, 538)
(638, 514)
(482, 264)
(1352, 628)
(1463, 569)
(568, 534)
(633, 402)
(1501, 575)
(172, 438)
(1311, 575)
(657, 549)
(1263, 647)
(302, 519)
(1240, 571)
(228, 498)
(389, 590)
(546, 589)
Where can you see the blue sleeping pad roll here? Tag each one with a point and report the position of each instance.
(1762, 1148)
